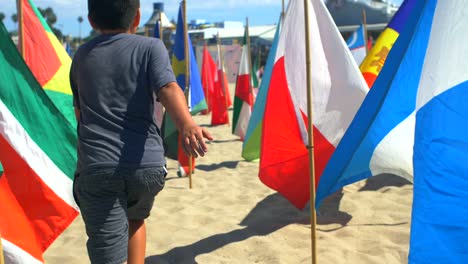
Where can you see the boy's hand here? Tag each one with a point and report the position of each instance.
(172, 97)
(193, 142)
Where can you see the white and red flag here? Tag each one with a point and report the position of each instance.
(338, 90)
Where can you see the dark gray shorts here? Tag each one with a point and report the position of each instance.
(108, 198)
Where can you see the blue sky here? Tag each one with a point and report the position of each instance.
(260, 12)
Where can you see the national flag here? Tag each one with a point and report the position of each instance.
(47, 59)
(243, 100)
(381, 137)
(219, 115)
(439, 225)
(338, 89)
(209, 70)
(375, 59)
(414, 121)
(196, 98)
(251, 145)
(37, 151)
(357, 44)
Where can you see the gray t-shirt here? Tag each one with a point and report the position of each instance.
(114, 79)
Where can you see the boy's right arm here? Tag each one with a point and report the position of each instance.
(173, 99)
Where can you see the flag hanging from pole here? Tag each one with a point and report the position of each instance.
(338, 90)
(375, 59)
(38, 154)
(243, 100)
(209, 70)
(219, 115)
(196, 97)
(381, 136)
(439, 222)
(47, 58)
(413, 122)
(251, 145)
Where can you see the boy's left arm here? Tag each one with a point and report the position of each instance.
(77, 114)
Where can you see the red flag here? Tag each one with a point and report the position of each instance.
(209, 70)
(220, 99)
(184, 160)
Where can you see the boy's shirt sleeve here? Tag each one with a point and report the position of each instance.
(76, 99)
(159, 69)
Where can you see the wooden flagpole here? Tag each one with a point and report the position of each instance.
(225, 90)
(187, 79)
(21, 27)
(282, 9)
(250, 55)
(364, 23)
(313, 215)
(2, 259)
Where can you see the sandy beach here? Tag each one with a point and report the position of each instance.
(231, 217)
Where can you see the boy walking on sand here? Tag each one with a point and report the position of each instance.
(120, 151)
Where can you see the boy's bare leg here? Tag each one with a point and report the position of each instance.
(136, 241)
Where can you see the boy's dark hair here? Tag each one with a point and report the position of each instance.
(113, 14)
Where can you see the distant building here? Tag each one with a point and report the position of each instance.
(167, 27)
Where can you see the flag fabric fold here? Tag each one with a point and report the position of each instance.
(375, 59)
(413, 122)
(47, 59)
(381, 137)
(221, 101)
(243, 100)
(439, 224)
(338, 89)
(209, 70)
(36, 185)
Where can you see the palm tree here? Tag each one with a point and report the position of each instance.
(14, 17)
(80, 20)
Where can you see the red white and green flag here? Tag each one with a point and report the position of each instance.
(38, 155)
(46, 57)
(243, 100)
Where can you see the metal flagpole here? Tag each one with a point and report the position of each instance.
(313, 215)
(187, 80)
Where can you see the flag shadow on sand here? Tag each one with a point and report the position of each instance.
(329, 212)
(384, 180)
(268, 216)
(215, 166)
